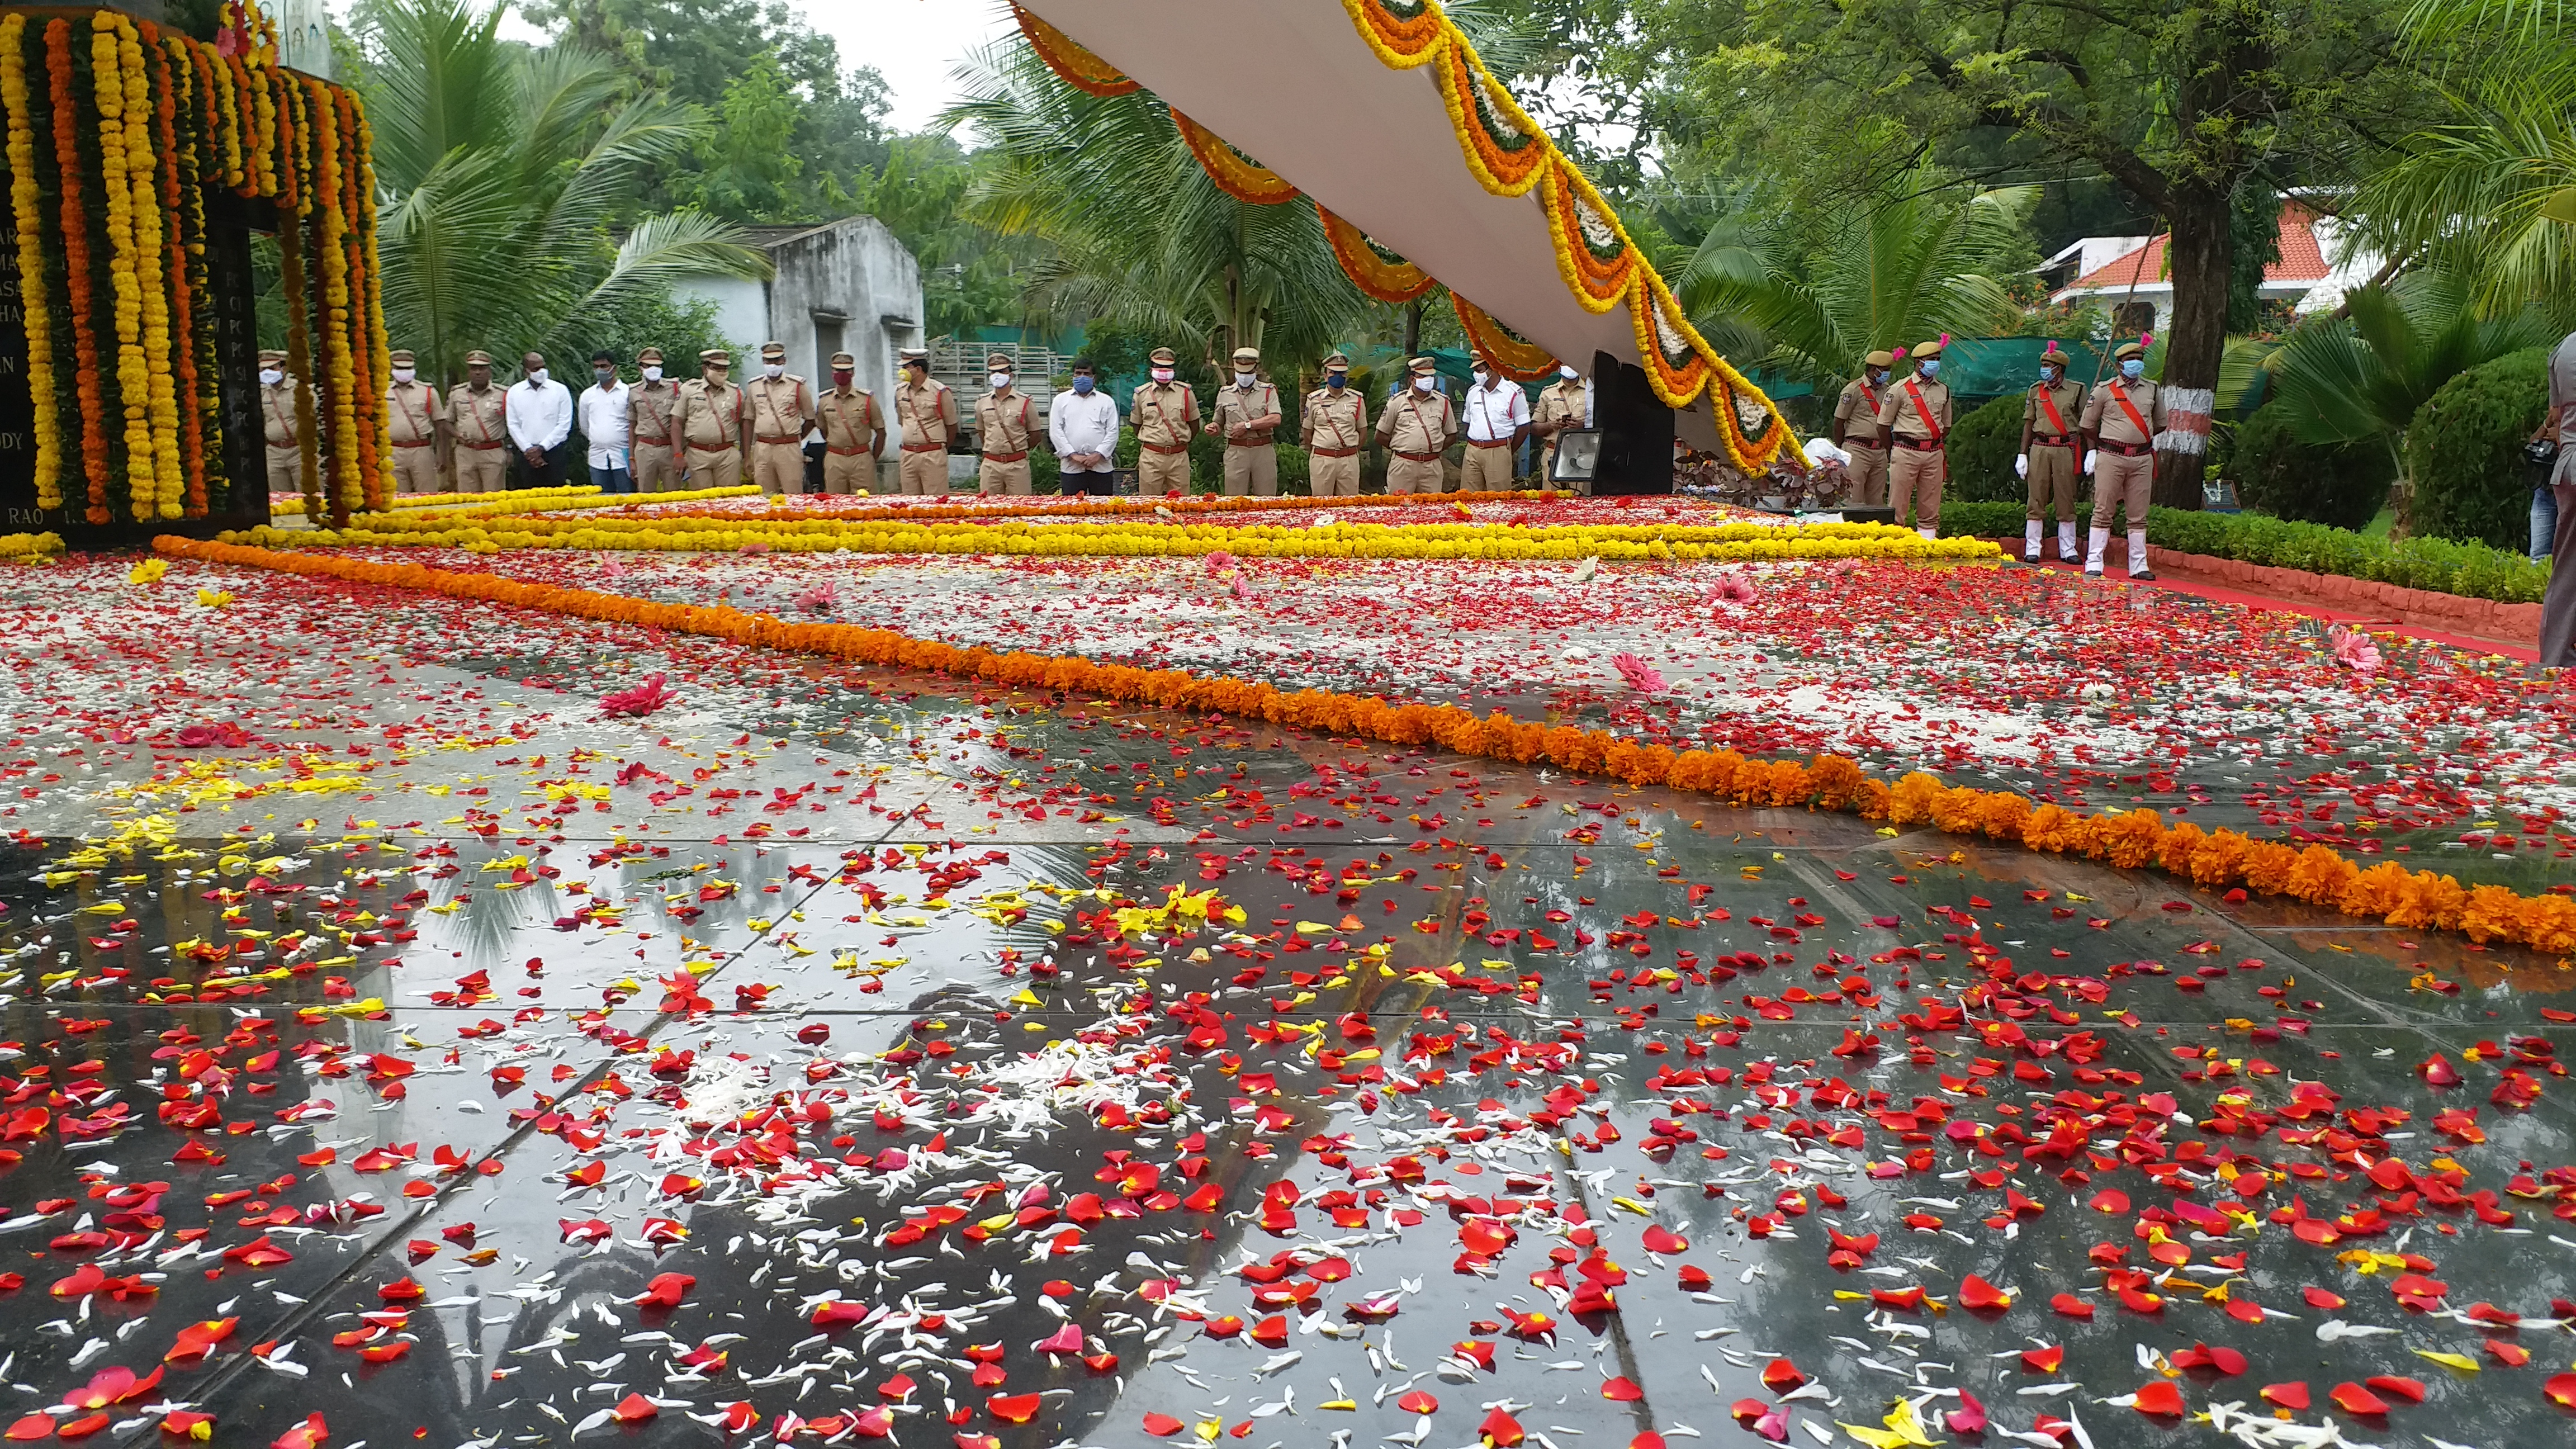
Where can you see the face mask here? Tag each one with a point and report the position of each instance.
(652, 374)
(1162, 374)
(536, 376)
(1243, 379)
(2049, 374)
(1423, 384)
(716, 374)
(841, 379)
(916, 371)
(1569, 374)
(606, 375)
(2133, 368)
(999, 380)
(1082, 386)
(270, 377)
(403, 374)
(773, 369)
(1931, 366)
(1337, 380)
(1483, 378)
(1878, 376)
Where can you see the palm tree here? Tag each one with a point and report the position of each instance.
(1920, 262)
(2491, 193)
(503, 172)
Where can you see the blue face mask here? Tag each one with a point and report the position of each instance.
(1931, 366)
(1336, 379)
(2048, 375)
(2133, 368)
(1082, 386)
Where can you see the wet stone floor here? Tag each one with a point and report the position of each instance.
(1003, 1070)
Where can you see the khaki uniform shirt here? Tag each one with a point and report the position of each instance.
(1337, 420)
(1561, 402)
(848, 420)
(1237, 406)
(1857, 410)
(413, 411)
(478, 417)
(277, 408)
(1164, 413)
(2068, 395)
(1896, 407)
(648, 413)
(1414, 423)
(709, 416)
(2104, 418)
(928, 414)
(782, 408)
(1003, 422)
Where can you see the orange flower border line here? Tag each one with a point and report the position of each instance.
(2212, 860)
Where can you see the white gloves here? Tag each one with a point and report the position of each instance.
(2089, 456)
(2021, 465)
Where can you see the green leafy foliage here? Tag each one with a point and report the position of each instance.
(2341, 484)
(1982, 447)
(2465, 451)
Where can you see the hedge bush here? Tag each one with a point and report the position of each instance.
(2464, 451)
(2471, 570)
(1982, 446)
(2339, 485)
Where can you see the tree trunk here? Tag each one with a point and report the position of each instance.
(2198, 258)
(1412, 333)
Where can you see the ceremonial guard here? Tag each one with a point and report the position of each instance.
(2049, 445)
(414, 415)
(1334, 427)
(1005, 420)
(1246, 416)
(277, 412)
(1564, 406)
(782, 408)
(1164, 412)
(648, 425)
(710, 424)
(478, 419)
(1417, 427)
(1856, 430)
(926, 413)
(1914, 417)
(2120, 423)
(1498, 420)
(853, 434)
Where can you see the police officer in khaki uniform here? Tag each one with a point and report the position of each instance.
(1334, 427)
(1004, 422)
(1163, 411)
(649, 442)
(1417, 427)
(710, 424)
(1246, 415)
(782, 408)
(853, 433)
(2049, 444)
(414, 416)
(478, 420)
(1914, 416)
(926, 413)
(2121, 420)
(277, 412)
(1856, 430)
(1563, 406)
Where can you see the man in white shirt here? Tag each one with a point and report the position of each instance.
(539, 411)
(1082, 425)
(603, 411)
(1497, 416)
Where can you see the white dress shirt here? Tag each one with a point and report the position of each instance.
(1495, 413)
(1079, 424)
(540, 414)
(603, 423)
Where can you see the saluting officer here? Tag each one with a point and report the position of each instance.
(1004, 423)
(648, 426)
(1334, 427)
(1417, 427)
(478, 418)
(2122, 419)
(1164, 412)
(926, 411)
(1856, 429)
(414, 417)
(782, 408)
(1914, 416)
(1246, 416)
(853, 433)
(2049, 444)
(711, 422)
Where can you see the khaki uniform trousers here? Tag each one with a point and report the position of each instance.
(1333, 477)
(482, 470)
(2118, 481)
(778, 467)
(652, 469)
(416, 468)
(1867, 472)
(995, 476)
(2052, 483)
(846, 473)
(285, 469)
(715, 467)
(1252, 469)
(1915, 476)
(1162, 472)
(1486, 470)
(1412, 475)
(926, 471)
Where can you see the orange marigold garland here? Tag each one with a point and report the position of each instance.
(1234, 173)
(1080, 69)
(377, 435)
(339, 376)
(1393, 282)
(1520, 359)
(78, 286)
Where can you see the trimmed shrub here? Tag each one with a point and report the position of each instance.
(2464, 451)
(2339, 485)
(1982, 446)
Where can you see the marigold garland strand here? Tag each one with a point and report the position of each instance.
(78, 282)
(26, 208)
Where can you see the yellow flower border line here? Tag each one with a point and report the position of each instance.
(2129, 840)
(293, 507)
(30, 547)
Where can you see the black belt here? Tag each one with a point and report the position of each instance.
(2125, 450)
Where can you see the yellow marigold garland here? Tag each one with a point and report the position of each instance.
(143, 180)
(29, 547)
(26, 205)
(349, 491)
(2131, 840)
(133, 371)
(362, 184)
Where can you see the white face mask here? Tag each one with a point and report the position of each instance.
(1162, 374)
(1245, 379)
(536, 375)
(1423, 384)
(652, 374)
(403, 374)
(1483, 377)
(773, 369)
(999, 380)
(270, 377)
(1569, 374)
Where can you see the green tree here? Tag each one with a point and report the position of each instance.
(2489, 191)
(747, 165)
(970, 274)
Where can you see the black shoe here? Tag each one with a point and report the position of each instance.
(2144, 576)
